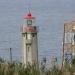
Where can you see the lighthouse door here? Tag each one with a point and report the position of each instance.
(29, 54)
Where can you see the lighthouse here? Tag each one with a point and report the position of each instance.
(29, 40)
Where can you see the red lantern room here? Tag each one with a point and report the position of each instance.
(29, 19)
(29, 23)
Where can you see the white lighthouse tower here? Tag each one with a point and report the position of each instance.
(29, 40)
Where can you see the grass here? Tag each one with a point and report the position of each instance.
(20, 69)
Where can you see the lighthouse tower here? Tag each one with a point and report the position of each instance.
(29, 40)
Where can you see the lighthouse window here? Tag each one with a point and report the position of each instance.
(29, 22)
(28, 47)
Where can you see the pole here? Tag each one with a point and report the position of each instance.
(10, 54)
(63, 44)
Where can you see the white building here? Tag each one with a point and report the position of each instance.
(29, 40)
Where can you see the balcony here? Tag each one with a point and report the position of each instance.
(31, 29)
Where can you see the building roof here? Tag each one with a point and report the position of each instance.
(29, 16)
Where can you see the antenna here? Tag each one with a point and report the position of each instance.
(29, 7)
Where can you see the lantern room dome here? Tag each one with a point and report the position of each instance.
(29, 16)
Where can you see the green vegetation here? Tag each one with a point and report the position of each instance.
(20, 69)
